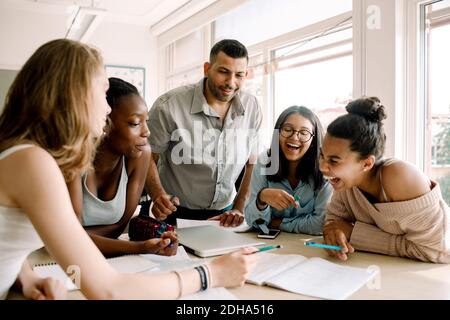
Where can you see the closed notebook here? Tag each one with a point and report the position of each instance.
(207, 241)
(314, 277)
(123, 264)
(187, 223)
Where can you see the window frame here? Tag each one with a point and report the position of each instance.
(268, 47)
(415, 146)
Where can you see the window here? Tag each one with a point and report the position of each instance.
(302, 57)
(255, 21)
(316, 74)
(437, 115)
(255, 84)
(186, 58)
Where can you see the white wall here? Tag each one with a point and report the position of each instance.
(129, 45)
(23, 31)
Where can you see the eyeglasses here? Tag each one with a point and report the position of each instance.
(302, 135)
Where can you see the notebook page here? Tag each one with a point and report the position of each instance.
(320, 278)
(124, 264)
(186, 223)
(55, 271)
(270, 265)
(131, 264)
(180, 255)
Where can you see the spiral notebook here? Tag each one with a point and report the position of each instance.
(123, 264)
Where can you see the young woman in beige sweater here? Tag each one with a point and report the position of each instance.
(379, 205)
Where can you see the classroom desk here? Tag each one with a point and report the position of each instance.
(399, 278)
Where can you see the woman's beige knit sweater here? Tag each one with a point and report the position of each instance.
(418, 228)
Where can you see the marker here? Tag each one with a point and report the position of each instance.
(297, 201)
(321, 245)
(268, 248)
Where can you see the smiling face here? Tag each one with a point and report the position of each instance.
(129, 132)
(340, 165)
(225, 76)
(301, 128)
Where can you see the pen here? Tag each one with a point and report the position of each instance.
(321, 245)
(268, 248)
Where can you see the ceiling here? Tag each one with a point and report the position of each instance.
(138, 12)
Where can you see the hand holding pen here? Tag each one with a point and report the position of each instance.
(276, 198)
(169, 241)
(338, 233)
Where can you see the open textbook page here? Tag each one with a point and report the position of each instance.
(315, 277)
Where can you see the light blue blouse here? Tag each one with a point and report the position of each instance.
(308, 218)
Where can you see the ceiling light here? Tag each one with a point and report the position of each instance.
(83, 21)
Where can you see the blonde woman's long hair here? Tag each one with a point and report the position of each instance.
(49, 104)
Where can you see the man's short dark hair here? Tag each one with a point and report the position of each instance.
(230, 47)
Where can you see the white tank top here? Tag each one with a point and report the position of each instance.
(98, 212)
(18, 238)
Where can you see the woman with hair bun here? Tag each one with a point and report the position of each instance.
(380, 205)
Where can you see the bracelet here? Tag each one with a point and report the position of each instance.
(180, 284)
(208, 279)
(203, 277)
(209, 275)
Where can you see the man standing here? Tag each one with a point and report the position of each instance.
(202, 136)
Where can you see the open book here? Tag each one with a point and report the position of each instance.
(123, 264)
(312, 277)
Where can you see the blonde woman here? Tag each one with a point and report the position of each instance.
(54, 110)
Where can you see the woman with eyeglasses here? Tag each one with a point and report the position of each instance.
(288, 191)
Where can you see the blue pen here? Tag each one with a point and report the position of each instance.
(268, 248)
(321, 245)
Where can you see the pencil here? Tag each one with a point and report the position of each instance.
(321, 245)
(268, 248)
